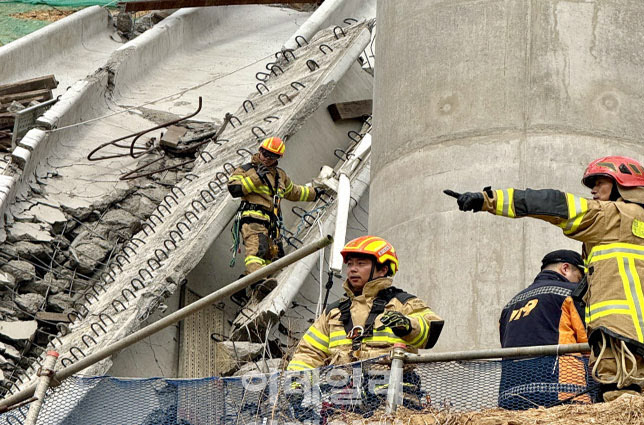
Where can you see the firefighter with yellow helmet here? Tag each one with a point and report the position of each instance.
(261, 185)
(611, 227)
(372, 317)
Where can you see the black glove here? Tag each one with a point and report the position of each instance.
(262, 170)
(398, 322)
(468, 201)
(295, 398)
(319, 192)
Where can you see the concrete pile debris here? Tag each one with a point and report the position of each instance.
(53, 254)
(19, 95)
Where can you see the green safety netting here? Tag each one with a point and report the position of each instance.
(12, 28)
(68, 3)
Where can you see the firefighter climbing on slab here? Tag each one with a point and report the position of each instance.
(262, 184)
(611, 227)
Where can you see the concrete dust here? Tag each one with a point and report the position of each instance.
(627, 409)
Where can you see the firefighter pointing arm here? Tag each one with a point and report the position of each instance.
(261, 185)
(611, 227)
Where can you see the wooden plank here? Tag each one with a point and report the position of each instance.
(25, 98)
(350, 110)
(47, 82)
(52, 317)
(6, 120)
(136, 6)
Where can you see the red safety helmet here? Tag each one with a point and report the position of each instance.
(378, 248)
(625, 171)
(274, 145)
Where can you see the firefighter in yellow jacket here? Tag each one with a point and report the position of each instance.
(262, 185)
(611, 227)
(372, 317)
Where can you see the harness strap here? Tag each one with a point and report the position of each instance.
(378, 307)
(345, 314)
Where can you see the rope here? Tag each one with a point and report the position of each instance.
(235, 246)
(624, 375)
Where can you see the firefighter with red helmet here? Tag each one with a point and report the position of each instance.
(611, 227)
(261, 185)
(372, 317)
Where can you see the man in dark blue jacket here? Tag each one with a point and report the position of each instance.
(544, 314)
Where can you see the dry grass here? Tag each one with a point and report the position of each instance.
(49, 15)
(625, 410)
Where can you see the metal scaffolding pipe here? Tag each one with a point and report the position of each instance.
(44, 382)
(175, 317)
(495, 353)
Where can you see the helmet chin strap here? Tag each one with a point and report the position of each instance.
(373, 268)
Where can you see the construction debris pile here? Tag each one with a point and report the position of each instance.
(18, 96)
(52, 256)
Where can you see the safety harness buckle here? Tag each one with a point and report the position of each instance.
(355, 332)
(355, 335)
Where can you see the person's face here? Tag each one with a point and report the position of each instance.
(570, 272)
(267, 158)
(602, 189)
(358, 271)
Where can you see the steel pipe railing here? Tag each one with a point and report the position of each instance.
(495, 353)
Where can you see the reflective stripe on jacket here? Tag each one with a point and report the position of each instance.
(613, 237)
(326, 341)
(246, 182)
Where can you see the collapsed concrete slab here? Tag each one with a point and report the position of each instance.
(173, 240)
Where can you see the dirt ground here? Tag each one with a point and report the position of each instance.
(626, 410)
(49, 15)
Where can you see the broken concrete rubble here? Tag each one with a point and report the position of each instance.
(88, 252)
(243, 351)
(30, 303)
(30, 250)
(7, 280)
(260, 366)
(18, 330)
(33, 232)
(9, 351)
(60, 303)
(22, 271)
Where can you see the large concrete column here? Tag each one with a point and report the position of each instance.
(471, 93)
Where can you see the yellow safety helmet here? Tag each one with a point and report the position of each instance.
(274, 145)
(374, 246)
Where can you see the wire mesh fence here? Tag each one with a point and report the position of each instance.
(319, 396)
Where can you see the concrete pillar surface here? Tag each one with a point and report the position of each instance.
(512, 93)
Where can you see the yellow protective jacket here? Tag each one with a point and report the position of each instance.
(326, 342)
(613, 238)
(246, 183)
